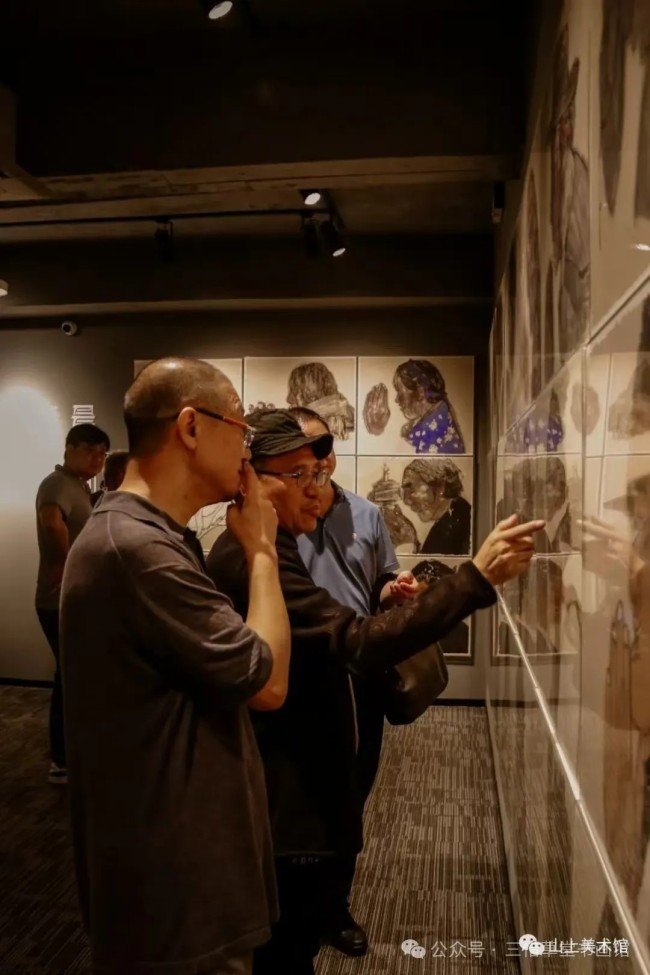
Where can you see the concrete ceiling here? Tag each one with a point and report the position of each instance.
(117, 113)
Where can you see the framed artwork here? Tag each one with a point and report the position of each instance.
(565, 125)
(346, 472)
(426, 502)
(627, 341)
(547, 486)
(416, 405)
(327, 385)
(456, 645)
(497, 369)
(545, 607)
(209, 523)
(620, 145)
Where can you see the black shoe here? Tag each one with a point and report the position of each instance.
(347, 936)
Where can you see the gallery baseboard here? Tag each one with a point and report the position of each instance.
(461, 702)
(465, 702)
(20, 682)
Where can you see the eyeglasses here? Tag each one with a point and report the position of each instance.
(249, 433)
(303, 479)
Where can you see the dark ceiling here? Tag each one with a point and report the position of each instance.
(123, 111)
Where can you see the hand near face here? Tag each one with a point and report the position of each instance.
(507, 550)
(252, 518)
(376, 412)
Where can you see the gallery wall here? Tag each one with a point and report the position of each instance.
(44, 375)
(569, 679)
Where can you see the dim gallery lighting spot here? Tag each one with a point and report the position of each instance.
(4, 289)
(29, 444)
(218, 10)
(311, 197)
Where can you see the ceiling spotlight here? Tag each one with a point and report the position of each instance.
(332, 239)
(642, 247)
(311, 237)
(4, 289)
(216, 9)
(311, 197)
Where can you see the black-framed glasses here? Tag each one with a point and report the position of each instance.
(249, 433)
(303, 479)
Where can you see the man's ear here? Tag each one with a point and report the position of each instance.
(186, 425)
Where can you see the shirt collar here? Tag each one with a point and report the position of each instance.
(60, 469)
(339, 498)
(135, 506)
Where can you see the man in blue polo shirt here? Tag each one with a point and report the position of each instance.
(351, 555)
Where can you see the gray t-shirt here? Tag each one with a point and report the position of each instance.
(168, 803)
(72, 496)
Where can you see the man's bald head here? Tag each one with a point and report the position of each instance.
(165, 387)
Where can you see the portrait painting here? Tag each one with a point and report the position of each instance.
(533, 271)
(620, 111)
(426, 502)
(628, 406)
(346, 472)
(326, 385)
(416, 405)
(568, 143)
(547, 486)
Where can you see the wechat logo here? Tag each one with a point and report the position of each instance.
(529, 943)
(412, 948)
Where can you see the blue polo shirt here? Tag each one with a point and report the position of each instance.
(349, 551)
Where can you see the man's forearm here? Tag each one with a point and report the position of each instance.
(267, 616)
(372, 644)
(57, 544)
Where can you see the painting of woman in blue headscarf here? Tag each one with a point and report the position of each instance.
(431, 425)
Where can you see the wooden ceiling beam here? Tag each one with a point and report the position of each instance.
(243, 187)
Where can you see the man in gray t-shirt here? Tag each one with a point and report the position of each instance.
(169, 814)
(62, 509)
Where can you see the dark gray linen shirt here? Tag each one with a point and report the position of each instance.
(168, 803)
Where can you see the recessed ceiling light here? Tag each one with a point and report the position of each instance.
(217, 10)
(4, 289)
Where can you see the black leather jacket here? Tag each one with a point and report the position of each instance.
(308, 745)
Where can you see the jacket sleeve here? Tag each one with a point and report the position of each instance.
(371, 644)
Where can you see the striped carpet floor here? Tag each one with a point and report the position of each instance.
(433, 868)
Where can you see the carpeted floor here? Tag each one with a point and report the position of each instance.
(433, 868)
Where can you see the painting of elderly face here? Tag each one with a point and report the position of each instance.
(433, 490)
(426, 502)
(327, 385)
(417, 405)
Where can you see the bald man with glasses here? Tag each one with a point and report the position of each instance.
(171, 833)
(308, 746)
